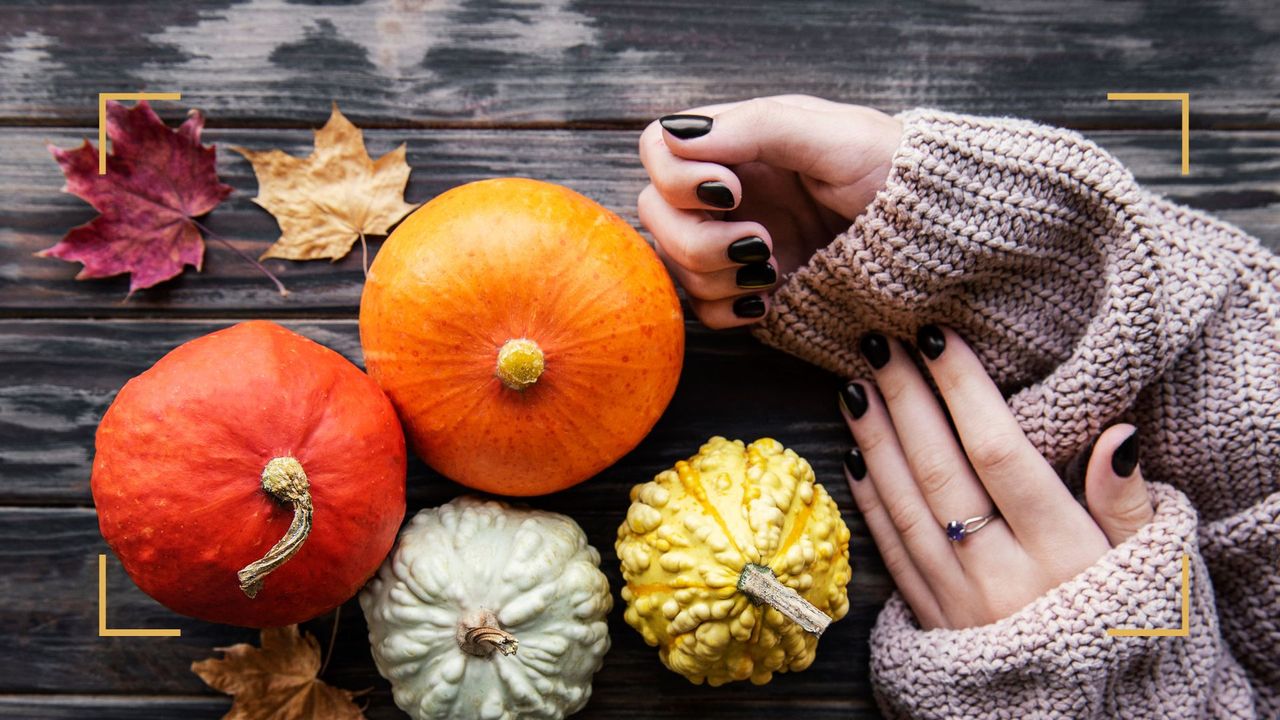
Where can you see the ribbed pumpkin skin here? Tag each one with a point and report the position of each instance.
(177, 475)
(511, 258)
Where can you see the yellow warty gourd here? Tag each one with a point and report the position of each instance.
(720, 555)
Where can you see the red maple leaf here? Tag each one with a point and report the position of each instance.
(158, 180)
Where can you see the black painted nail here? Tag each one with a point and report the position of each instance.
(931, 341)
(749, 306)
(875, 348)
(855, 464)
(756, 275)
(854, 399)
(749, 250)
(1125, 457)
(716, 194)
(686, 127)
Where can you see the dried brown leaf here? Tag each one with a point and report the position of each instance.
(329, 199)
(277, 681)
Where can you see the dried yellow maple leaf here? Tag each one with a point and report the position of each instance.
(277, 681)
(334, 196)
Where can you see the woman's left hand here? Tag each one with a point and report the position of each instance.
(911, 477)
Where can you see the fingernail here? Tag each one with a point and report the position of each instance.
(875, 348)
(749, 250)
(854, 463)
(1125, 457)
(749, 306)
(931, 341)
(756, 275)
(854, 399)
(716, 194)
(686, 127)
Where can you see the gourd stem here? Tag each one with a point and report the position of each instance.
(478, 634)
(283, 479)
(759, 583)
(520, 363)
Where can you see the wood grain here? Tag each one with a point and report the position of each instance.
(49, 643)
(408, 62)
(1235, 175)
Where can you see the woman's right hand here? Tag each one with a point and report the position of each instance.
(743, 193)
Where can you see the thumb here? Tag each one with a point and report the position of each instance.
(800, 134)
(1113, 488)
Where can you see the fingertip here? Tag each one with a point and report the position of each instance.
(1124, 458)
(685, 126)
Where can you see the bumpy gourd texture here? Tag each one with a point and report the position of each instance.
(534, 570)
(690, 532)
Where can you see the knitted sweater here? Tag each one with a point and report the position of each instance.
(1090, 301)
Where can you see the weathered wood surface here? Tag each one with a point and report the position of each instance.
(1235, 175)
(58, 376)
(405, 62)
(545, 88)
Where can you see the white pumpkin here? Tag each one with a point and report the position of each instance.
(491, 612)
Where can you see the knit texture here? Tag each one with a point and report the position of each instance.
(1090, 301)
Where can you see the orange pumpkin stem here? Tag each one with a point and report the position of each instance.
(283, 479)
(520, 363)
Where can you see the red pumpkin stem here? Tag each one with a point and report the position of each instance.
(283, 479)
(760, 584)
(479, 634)
(520, 363)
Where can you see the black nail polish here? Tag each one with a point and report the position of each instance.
(855, 464)
(875, 348)
(686, 127)
(716, 194)
(749, 306)
(1125, 458)
(749, 250)
(931, 341)
(756, 275)
(854, 398)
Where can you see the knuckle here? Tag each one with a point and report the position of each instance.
(897, 562)
(936, 473)
(868, 503)
(995, 453)
(873, 435)
(907, 517)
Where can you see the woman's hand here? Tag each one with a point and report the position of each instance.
(911, 477)
(744, 192)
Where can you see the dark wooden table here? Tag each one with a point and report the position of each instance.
(550, 89)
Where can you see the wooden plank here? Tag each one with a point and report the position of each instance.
(1235, 175)
(49, 642)
(57, 378)
(53, 394)
(281, 62)
(134, 707)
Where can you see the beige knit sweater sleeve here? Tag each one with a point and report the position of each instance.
(1090, 301)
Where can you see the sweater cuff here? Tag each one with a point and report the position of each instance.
(1054, 657)
(1025, 239)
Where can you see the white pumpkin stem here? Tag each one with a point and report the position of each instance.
(759, 583)
(520, 363)
(479, 634)
(283, 479)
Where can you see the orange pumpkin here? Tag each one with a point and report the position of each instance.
(527, 336)
(250, 477)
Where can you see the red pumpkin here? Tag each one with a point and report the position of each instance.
(527, 336)
(186, 454)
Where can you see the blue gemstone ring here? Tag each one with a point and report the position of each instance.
(958, 530)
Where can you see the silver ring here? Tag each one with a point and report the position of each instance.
(958, 530)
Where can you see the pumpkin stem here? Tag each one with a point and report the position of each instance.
(759, 583)
(284, 480)
(479, 634)
(520, 363)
